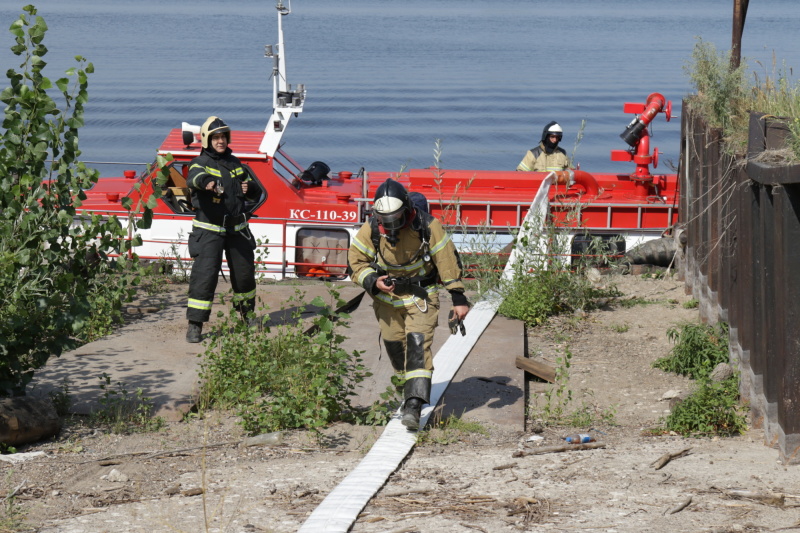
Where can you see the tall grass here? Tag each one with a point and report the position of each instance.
(725, 97)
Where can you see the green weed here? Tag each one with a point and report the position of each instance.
(450, 430)
(123, 412)
(12, 515)
(558, 395)
(555, 406)
(725, 97)
(712, 409)
(282, 377)
(544, 283)
(620, 328)
(380, 412)
(61, 398)
(633, 301)
(588, 414)
(697, 349)
(691, 304)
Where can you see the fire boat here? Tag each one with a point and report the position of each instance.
(311, 213)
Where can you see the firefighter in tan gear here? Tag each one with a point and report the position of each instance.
(224, 192)
(400, 257)
(547, 156)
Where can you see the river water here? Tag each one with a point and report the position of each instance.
(386, 78)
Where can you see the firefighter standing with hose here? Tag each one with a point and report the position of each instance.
(221, 189)
(547, 156)
(400, 257)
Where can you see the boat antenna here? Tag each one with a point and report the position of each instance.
(286, 100)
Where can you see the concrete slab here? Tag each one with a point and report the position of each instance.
(151, 353)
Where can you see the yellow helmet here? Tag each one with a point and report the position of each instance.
(211, 126)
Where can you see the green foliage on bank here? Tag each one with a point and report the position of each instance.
(59, 288)
(283, 376)
(725, 97)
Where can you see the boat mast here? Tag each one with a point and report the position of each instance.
(286, 101)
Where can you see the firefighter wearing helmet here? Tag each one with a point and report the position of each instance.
(224, 192)
(400, 257)
(547, 156)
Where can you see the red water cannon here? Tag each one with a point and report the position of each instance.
(637, 137)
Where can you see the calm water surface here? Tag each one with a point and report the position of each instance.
(387, 78)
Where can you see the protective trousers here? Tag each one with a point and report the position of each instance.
(408, 335)
(206, 248)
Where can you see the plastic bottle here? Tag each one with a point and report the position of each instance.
(266, 439)
(579, 438)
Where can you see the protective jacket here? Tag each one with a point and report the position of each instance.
(226, 170)
(538, 160)
(408, 316)
(409, 258)
(220, 226)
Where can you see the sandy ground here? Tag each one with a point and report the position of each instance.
(195, 476)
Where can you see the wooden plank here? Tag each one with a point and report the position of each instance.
(542, 370)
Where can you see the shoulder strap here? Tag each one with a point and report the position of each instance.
(376, 233)
(420, 224)
(536, 151)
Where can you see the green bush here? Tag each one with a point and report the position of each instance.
(281, 377)
(721, 93)
(725, 97)
(53, 257)
(712, 409)
(698, 349)
(544, 283)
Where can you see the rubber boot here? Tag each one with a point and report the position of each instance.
(195, 332)
(411, 412)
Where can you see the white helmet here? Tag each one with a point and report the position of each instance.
(552, 128)
(392, 208)
(555, 129)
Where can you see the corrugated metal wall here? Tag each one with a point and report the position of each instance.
(742, 262)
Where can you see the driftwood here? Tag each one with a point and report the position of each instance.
(396, 493)
(662, 461)
(556, 449)
(767, 498)
(680, 507)
(24, 419)
(542, 370)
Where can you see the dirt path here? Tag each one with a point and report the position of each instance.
(194, 476)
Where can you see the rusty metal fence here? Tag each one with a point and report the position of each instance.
(742, 263)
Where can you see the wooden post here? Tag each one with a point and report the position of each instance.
(739, 15)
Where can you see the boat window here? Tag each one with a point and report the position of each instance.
(251, 206)
(322, 253)
(175, 191)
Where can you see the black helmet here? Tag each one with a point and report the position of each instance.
(392, 207)
(211, 126)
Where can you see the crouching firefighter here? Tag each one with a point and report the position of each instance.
(224, 194)
(400, 256)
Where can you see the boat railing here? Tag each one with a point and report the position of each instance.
(288, 164)
(458, 213)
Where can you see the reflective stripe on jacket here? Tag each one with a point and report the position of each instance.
(226, 170)
(442, 252)
(537, 160)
